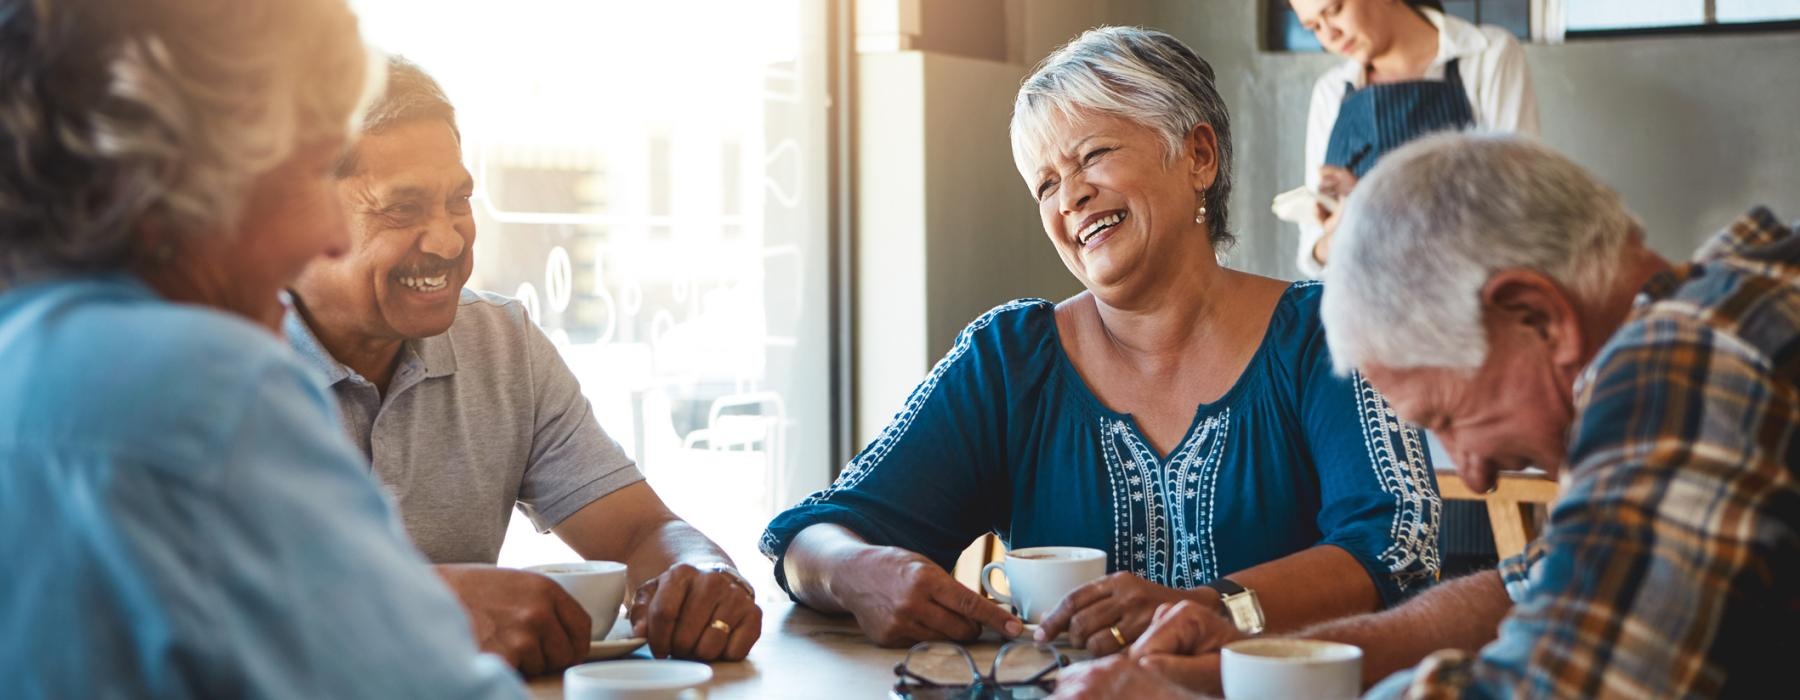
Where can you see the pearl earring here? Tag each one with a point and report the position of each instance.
(1200, 216)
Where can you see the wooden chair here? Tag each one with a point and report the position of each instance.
(979, 553)
(1510, 507)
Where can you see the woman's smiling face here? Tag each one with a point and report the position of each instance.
(1113, 201)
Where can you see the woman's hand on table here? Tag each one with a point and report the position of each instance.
(901, 598)
(701, 613)
(1122, 601)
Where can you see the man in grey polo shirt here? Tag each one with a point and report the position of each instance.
(466, 411)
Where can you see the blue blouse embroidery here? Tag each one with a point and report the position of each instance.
(1004, 436)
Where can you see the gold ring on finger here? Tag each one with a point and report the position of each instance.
(720, 626)
(1118, 636)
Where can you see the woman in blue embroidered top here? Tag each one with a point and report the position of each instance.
(1178, 415)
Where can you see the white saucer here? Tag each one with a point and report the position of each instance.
(613, 648)
(618, 642)
(639, 675)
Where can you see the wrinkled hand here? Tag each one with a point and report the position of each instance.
(675, 612)
(901, 598)
(1116, 677)
(1183, 645)
(520, 616)
(1089, 613)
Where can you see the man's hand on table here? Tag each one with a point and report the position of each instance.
(1116, 677)
(520, 616)
(901, 598)
(1122, 600)
(702, 613)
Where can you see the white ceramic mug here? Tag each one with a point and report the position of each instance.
(599, 586)
(1277, 669)
(639, 679)
(1039, 577)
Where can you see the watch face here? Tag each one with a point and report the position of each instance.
(1246, 612)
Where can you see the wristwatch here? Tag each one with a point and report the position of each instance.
(1240, 604)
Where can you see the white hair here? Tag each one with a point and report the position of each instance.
(1142, 75)
(159, 114)
(1431, 224)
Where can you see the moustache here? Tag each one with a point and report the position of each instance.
(429, 265)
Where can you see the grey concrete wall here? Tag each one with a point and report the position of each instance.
(1690, 130)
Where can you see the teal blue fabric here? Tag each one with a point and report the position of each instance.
(1005, 436)
(182, 516)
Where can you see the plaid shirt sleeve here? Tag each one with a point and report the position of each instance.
(1670, 506)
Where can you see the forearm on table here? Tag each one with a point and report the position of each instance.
(670, 542)
(814, 559)
(1306, 587)
(1463, 613)
(632, 525)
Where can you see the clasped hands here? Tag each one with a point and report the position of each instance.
(1176, 659)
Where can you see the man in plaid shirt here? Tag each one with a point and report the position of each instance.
(1500, 296)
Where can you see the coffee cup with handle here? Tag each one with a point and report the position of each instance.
(1039, 577)
(599, 586)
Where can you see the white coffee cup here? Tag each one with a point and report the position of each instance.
(1277, 669)
(599, 586)
(641, 679)
(1039, 577)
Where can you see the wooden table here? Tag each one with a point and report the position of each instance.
(1508, 506)
(804, 654)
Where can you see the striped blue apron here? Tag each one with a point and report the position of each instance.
(1371, 122)
(1382, 117)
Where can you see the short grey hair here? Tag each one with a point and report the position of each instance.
(411, 94)
(1138, 74)
(1432, 223)
(119, 118)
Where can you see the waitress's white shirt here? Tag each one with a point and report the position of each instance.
(1492, 70)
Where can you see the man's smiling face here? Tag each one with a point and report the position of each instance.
(412, 237)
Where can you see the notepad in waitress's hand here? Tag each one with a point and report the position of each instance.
(1300, 205)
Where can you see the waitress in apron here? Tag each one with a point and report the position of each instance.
(1411, 70)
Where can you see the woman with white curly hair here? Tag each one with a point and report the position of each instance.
(180, 513)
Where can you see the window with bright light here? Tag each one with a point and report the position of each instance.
(651, 181)
(1616, 15)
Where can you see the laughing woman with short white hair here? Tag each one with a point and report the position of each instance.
(1180, 416)
(180, 514)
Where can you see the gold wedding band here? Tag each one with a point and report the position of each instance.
(1118, 636)
(721, 626)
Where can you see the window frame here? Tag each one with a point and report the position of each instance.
(1275, 30)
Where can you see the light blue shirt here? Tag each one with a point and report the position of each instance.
(181, 516)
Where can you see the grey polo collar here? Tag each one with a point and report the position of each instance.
(437, 353)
